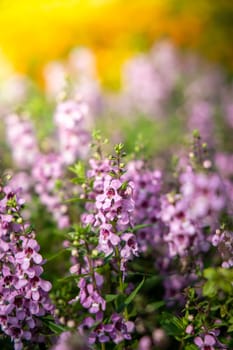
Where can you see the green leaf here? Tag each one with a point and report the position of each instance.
(79, 170)
(190, 347)
(139, 227)
(54, 256)
(110, 297)
(76, 199)
(120, 303)
(210, 273)
(108, 258)
(130, 298)
(218, 279)
(56, 328)
(230, 329)
(155, 306)
(209, 289)
(223, 311)
(70, 277)
(124, 185)
(173, 325)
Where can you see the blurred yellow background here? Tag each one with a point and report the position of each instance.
(32, 32)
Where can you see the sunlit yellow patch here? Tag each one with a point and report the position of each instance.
(32, 32)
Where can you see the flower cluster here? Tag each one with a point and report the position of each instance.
(23, 293)
(116, 330)
(113, 211)
(72, 135)
(186, 214)
(22, 140)
(113, 208)
(98, 170)
(147, 193)
(110, 208)
(47, 173)
(89, 295)
(204, 195)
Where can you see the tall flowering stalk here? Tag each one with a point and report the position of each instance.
(24, 295)
(112, 209)
(105, 242)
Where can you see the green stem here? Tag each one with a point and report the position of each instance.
(181, 345)
(121, 284)
(91, 266)
(102, 346)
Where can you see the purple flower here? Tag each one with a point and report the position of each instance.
(121, 329)
(205, 343)
(30, 251)
(90, 298)
(130, 248)
(107, 239)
